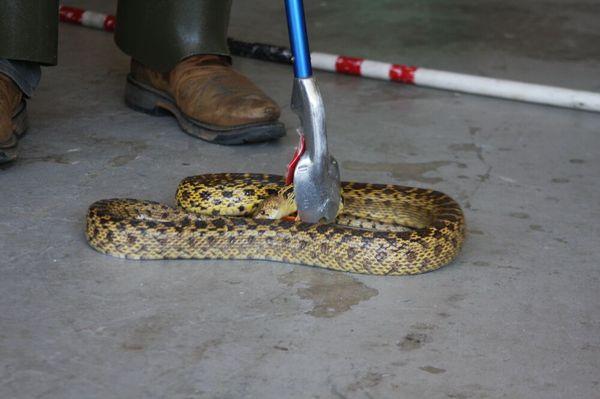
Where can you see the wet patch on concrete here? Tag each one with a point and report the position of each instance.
(414, 340)
(331, 293)
(454, 299)
(199, 352)
(480, 263)
(62, 159)
(402, 171)
(470, 391)
(121, 160)
(486, 176)
(144, 333)
(418, 336)
(519, 215)
(432, 369)
(369, 380)
(473, 130)
(133, 148)
(467, 147)
(536, 227)
(423, 326)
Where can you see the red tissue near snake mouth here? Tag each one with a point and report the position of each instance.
(291, 168)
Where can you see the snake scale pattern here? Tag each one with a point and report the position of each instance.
(401, 230)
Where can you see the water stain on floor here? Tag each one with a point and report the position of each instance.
(402, 171)
(519, 215)
(475, 231)
(134, 149)
(481, 263)
(414, 341)
(52, 158)
(454, 299)
(536, 227)
(122, 160)
(368, 380)
(423, 326)
(332, 293)
(467, 147)
(145, 332)
(432, 370)
(199, 352)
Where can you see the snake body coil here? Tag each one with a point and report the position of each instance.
(214, 223)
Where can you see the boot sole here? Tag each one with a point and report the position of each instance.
(20, 124)
(144, 98)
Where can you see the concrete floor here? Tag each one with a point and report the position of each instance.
(516, 316)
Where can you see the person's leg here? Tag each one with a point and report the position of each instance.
(29, 30)
(181, 64)
(28, 38)
(160, 33)
(18, 79)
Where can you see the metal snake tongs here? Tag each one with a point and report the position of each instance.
(317, 175)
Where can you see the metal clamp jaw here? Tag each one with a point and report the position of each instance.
(317, 176)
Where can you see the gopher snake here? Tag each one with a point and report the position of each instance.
(212, 223)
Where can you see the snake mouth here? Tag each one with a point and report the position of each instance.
(291, 218)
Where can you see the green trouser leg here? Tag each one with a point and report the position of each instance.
(29, 30)
(160, 33)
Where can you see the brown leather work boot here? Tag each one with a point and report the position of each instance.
(13, 118)
(209, 98)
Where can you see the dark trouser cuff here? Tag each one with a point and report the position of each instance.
(29, 30)
(161, 33)
(26, 75)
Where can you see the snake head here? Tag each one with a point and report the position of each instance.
(278, 206)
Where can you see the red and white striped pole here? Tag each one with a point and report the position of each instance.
(498, 88)
(87, 18)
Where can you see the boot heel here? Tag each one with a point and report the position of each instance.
(143, 99)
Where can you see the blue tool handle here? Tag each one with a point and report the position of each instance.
(294, 10)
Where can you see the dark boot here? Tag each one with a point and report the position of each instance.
(209, 98)
(13, 118)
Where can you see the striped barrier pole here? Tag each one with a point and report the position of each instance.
(91, 19)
